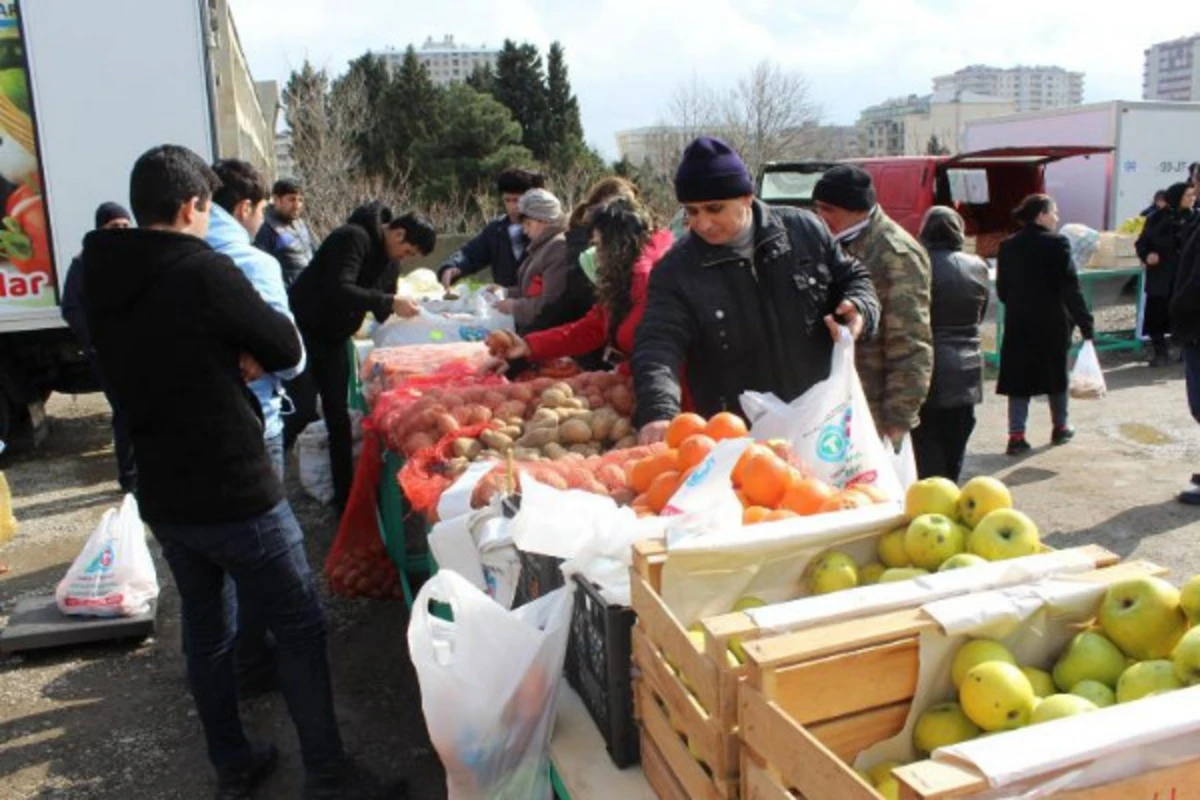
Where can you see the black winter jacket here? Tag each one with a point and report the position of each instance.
(169, 318)
(733, 326)
(1185, 299)
(349, 276)
(491, 248)
(1164, 233)
(959, 301)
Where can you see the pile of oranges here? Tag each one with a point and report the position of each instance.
(768, 481)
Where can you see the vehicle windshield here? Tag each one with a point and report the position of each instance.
(793, 186)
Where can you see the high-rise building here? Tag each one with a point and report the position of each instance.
(908, 126)
(1030, 88)
(446, 61)
(1172, 70)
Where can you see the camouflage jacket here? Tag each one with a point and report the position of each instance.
(895, 365)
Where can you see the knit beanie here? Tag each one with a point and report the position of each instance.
(846, 186)
(711, 170)
(107, 212)
(541, 205)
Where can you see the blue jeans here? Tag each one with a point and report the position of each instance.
(275, 453)
(265, 558)
(1191, 364)
(1018, 413)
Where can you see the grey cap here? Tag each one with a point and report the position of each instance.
(539, 204)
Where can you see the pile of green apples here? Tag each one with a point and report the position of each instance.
(947, 528)
(1144, 642)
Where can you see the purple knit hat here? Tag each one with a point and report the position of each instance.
(711, 170)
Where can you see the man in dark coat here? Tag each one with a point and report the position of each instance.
(108, 217)
(354, 272)
(283, 233)
(747, 300)
(959, 301)
(501, 244)
(1158, 247)
(1039, 286)
(1185, 330)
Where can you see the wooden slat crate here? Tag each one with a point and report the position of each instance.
(813, 699)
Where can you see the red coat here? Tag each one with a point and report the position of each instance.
(590, 332)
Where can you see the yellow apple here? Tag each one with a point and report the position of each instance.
(883, 770)
(997, 696)
(870, 573)
(891, 548)
(748, 602)
(1186, 657)
(1142, 617)
(901, 574)
(981, 496)
(974, 653)
(1189, 600)
(1003, 534)
(1089, 656)
(931, 539)
(1146, 678)
(961, 561)
(931, 496)
(1057, 706)
(1100, 695)
(942, 725)
(1040, 680)
(832, 572)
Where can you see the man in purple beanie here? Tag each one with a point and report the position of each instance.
(749, 299)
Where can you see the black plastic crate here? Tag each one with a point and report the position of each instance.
(599, 668)
(539, 576)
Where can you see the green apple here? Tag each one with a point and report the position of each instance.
(891, 548)
(748, 602)
(869, 573)
(961, 561)
(931, 539)
(888, 788)
(1057, 706)
(901, 574)
(1089, 656)
(883, 770)
(997, 696)
(1146, 678)
(1186, 657)
(931, 496)
(1189, 600)
(980, 497)
(1005, 533)
(832, 572)
(1100, 695)
(1142, 616)
(942, 725)
(1040, 680)
(697, 639)
(974, 653)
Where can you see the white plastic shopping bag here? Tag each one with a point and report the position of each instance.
(113, 576)
(469, 318)
(830, 426)
(489, 682)
(904, 461)
(1087, 378)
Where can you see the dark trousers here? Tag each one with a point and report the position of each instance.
(940, 441)
(122, 441)
(1157, 320)
(328, 375)
(265, 558)
(1191, 364)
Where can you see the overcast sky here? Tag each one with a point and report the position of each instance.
(627, 56)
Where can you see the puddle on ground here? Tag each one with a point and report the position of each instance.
(1143, 434)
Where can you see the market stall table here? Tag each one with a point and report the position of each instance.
(580, 769)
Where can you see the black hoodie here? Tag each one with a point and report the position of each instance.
(349, 276)
(169, 317)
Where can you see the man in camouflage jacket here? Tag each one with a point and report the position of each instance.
(896, 365)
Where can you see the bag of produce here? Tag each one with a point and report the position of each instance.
(113, 576)
(1087, 378)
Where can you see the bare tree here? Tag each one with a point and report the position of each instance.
(770, 114)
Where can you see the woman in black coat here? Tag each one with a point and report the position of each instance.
(1039, 287)
(959, 300)
(1158, 247)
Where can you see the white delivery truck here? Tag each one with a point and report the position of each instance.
(1154, 142)
(85, 88)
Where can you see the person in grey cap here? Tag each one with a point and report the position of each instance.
(542, 278)
(750, 298)
(896, 366)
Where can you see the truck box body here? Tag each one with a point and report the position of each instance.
(1153, 144)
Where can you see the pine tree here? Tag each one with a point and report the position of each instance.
(304, 110)
(482, 78)
(565, 126)
(520, 85)
(411, 110)
(372, 143)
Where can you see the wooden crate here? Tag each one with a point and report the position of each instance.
(812, 700)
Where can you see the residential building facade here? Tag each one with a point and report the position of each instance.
(1172, 70)
(908, 126)
(1030, 88)
(446, 61)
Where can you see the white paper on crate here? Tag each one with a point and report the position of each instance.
(1105, 745)
(884, 597)
(706, 575)
(1035, 621)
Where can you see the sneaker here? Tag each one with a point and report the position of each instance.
(240, 784)
(1062, 436)
(353, 782)
(1190, 497)
(1017, 446)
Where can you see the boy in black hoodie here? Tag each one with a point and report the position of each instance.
(178, 331)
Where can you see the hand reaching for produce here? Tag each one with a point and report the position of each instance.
(506, 345)
(504, 306)
(450, 276)
(405, 307)
(653, 432)
(845, 314)
(250, 368)
(494, 366)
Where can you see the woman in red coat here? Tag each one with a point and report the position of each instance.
(627, 248)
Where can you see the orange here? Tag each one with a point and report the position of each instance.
(765, 479)
(662, 489)
(643, 473)
(683, 427)
(739, 469)
(741, 496)
(806, 496)
(694, 450)
(844, 501)
(755, 514)
(782, 513)
(726, 426)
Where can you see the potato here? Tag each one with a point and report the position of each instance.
(510, 409)
(457, 466)
(602, 424)
(445, 423)
(620, 429)
(612, 476)
(626, 442)
(492, 454)
(539, 437)
(582, 449)
(554, 451)
(565, 388)
(496, 440)
(544, 416)
(513, 432)
(621, 399)
(467, 448)
(574, 431)
(461, 414)
(575, 402)
(418, 441)
(526, 454)
(565, 414)
(492, 398)
(623, 497)
(553, 398)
